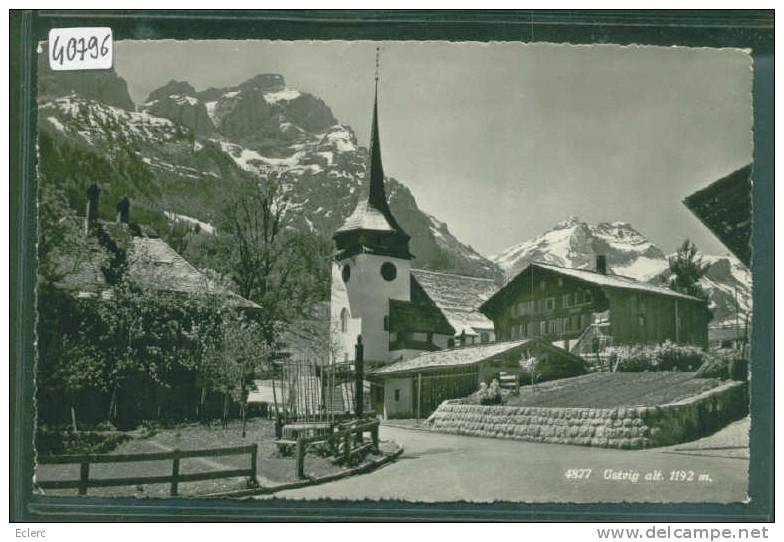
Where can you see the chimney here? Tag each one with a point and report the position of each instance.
(601, 264)
(93, 192)
(123, 206)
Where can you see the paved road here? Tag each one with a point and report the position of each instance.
(442, 467)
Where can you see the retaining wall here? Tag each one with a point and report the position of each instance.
(622, 427)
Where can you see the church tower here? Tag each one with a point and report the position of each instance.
(371, 266)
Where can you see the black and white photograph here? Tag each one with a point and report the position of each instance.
(416, 271)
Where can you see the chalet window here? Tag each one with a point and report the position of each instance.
(344, 320)
(386, 323)
(397, 395)
(542, 284)
(450, 343)
(550, 303)
(587, 297)
(346, 272)
(567, 300)
(543, 327)
(484, 337)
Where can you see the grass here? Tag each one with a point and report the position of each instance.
(272, 468)
(609, 390)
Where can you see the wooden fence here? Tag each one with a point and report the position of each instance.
(345, 443)
(175, 478)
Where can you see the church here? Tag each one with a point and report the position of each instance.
(429, 336)
(398, 311)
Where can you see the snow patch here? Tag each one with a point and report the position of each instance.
(285, 95)
(205, 226)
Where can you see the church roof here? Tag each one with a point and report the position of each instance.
(458, 297)
(374, 213)
(418, 317)
(366, 217)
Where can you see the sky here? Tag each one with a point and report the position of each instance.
(502, 141)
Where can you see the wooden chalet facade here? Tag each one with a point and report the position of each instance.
(562, 304)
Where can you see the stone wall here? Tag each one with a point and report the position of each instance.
(622, 427)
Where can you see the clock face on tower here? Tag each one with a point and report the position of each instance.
(388, 271)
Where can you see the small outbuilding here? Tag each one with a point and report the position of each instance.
(415, 387)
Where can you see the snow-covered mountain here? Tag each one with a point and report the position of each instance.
(185, 152)
(574, 243)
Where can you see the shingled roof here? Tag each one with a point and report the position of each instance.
(458, 297)
(725, 208)
(152, 264)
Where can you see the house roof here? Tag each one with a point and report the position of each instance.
(458, 297)
(463, 357)
(725, 208)
(152, 264)
(598, 279)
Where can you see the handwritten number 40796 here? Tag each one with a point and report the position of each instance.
(80, 48)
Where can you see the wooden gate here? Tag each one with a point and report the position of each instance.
(430, 390)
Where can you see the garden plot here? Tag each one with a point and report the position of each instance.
(610, 390)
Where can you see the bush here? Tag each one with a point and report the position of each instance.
(724, 364)
(54, 441)
(488, 395)
(667, 356)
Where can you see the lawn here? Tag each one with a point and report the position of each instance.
(609, 390)
(272, 468)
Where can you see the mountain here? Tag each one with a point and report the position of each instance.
(574, 243)
(104, 86)
(184, 153)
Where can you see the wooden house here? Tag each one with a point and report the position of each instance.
(415, 387)
(579, 307)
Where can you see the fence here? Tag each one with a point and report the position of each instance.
(84, 482)
(346, 442)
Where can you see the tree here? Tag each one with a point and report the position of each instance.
(283, 270)
(687, 268)
(232, 358)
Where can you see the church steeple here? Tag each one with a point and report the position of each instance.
(372, 227)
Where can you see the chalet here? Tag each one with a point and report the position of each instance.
(579, 308)
(415, 387)
(724, 207)
(148, 261)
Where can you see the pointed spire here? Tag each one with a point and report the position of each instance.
(376, 195)
(374, 214)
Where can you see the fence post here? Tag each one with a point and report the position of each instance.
(300, 458)
(374, 436)
(175, 473)
(253, 458)
(347, 446)
(84, 477)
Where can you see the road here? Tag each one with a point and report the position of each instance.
(437, 467)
